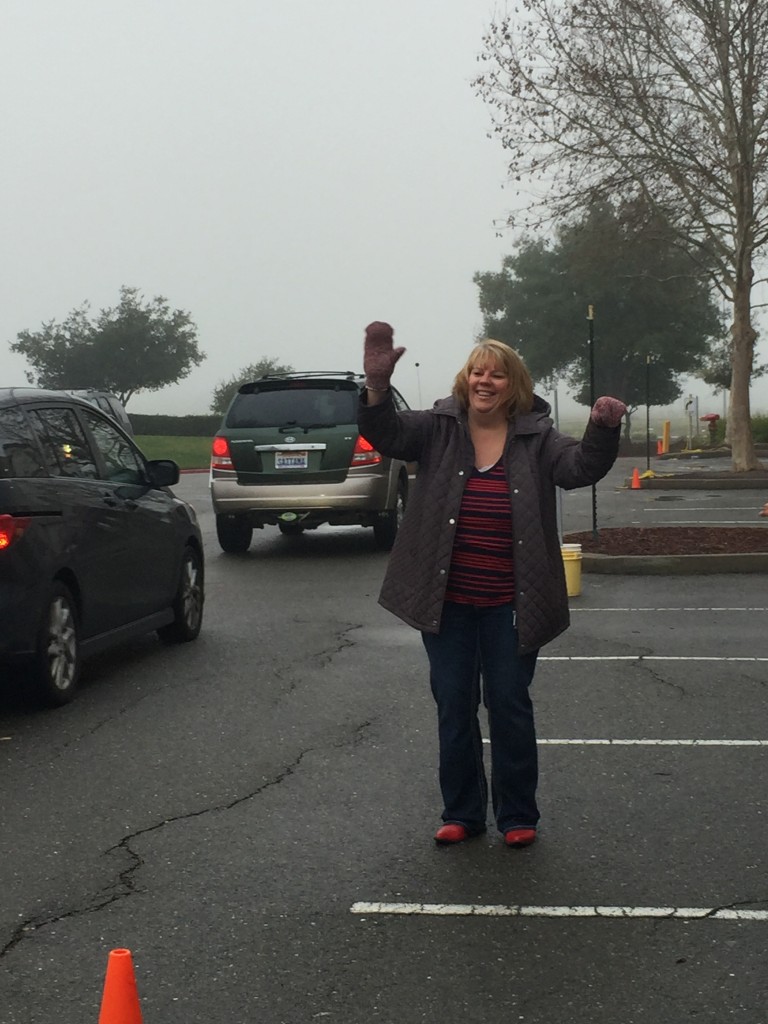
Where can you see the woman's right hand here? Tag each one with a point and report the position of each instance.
(379, 355)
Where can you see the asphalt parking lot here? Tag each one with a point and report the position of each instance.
(253, 815)
(646, 896)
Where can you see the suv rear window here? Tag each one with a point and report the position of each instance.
(293, 404)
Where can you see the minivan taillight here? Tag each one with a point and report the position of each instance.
(221, 457)
(11, 528)
(365, 454)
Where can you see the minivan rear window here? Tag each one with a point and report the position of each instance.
(294, 405)
(19, 455)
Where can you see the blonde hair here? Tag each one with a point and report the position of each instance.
(519, 397)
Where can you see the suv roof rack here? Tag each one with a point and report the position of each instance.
(350, 374)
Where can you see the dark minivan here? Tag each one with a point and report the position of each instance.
(94, 547)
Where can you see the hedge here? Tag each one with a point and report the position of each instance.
(175, 426)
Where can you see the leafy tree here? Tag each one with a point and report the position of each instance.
(655, 317)
(137, 346)
(225, 390)
(665, 99)
(716, 368)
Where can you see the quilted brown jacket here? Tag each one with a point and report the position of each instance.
(537, 459)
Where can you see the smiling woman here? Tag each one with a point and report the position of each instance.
(476, 565)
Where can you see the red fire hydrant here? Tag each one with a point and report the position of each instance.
(711, 419)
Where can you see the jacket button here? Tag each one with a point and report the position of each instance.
(451, 521)
(519, 542)
(442, 572)
(461, 472)
(515, 491)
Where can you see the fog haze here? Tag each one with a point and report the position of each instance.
(286, 172)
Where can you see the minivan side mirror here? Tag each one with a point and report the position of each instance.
(163, 472)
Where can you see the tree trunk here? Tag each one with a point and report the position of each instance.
(743, 335)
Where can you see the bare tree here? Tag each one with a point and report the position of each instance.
(664, 99)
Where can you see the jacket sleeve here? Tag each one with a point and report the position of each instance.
(398, 435)
(580, 463)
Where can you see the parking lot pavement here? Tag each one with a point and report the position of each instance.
(646, 896)
(712, 503)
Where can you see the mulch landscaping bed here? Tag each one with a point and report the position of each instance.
(673, 540)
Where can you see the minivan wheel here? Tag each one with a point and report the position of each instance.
(56, 664)
(234, 533)
(188, 603)
(385, 530)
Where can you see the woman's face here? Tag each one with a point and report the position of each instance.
(488, 387)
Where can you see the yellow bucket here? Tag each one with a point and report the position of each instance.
(572, 563)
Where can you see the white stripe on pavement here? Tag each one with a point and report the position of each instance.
(497, 910)
(647, 743)
(640, 657)
(680, 609)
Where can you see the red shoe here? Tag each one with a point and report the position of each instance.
(520, 836)
(451, 834)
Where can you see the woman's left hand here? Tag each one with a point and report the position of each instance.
(608, 412)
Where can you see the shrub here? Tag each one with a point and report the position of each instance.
(175, 426)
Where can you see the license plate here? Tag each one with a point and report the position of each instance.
(290, 460)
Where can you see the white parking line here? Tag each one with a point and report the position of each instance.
(641, 657)
(746, 507)
(497, 910)
(681, 609)
(646, 743)
(710, 522)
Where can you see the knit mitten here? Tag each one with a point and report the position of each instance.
(379, 356)
(608, 412)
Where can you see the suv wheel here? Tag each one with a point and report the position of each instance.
(385, 530)
(234, 533)
(188, 603)
(56, 665)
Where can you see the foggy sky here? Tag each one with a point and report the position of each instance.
(286, 172)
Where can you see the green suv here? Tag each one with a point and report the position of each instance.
(289, 454)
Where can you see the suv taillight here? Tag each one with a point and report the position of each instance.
(11, 528)
(221, 457)
(365, 454)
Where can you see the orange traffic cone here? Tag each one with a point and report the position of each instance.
(120, 1001)
(636, 486)
(659, 447)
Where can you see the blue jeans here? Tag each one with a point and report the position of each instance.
(472, 641)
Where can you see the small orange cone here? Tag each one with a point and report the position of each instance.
(659, 447)
(635, 486)
(120, 1001)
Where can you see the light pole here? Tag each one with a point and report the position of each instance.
(648, 413)
(591, 342)
(418, 383)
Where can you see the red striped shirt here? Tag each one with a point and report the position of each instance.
(482, 566)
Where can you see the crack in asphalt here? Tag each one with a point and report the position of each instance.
(125, 885)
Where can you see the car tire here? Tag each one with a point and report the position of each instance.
(385, 530)
(188, 602)
(234, 534)
(56, 664)
(290, 529)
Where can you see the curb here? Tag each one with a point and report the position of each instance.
(674, 565)
(708, 481)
